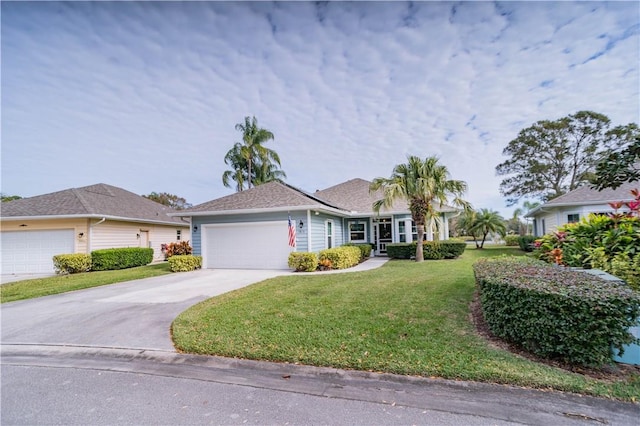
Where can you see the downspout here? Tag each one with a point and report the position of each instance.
(91, 233)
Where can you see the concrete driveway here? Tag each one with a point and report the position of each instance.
(134, 314)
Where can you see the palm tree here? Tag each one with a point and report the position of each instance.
(245, 157)
(487, 221)
(266, 172)
(423, 184)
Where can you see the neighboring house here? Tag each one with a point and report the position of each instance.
(578, 204)
(249, 229)
(81, 220)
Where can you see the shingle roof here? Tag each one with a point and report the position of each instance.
(348, 197)
(91, 201)
(354, 195)
(586, 195)
(271, 195)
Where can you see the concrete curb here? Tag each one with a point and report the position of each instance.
(491, 401)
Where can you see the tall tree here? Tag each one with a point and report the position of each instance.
(622, 164)
(169, 200)
(424, 184)
(251, 161)
(551, 158)
(7, 198)
(485, 222)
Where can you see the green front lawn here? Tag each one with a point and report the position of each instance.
(404, 318)
(29, 289)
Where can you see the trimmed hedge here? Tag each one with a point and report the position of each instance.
(555, 312)
(184, 263)
(512, 240)
(72, 263)
(365, 249)
(447, 249)
(526, 242)
(303, 261)
(120, 258)
(341, 257)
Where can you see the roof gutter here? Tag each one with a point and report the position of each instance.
(90, 216)
(262, 210)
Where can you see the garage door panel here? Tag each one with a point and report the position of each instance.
(255, 245)
(32, 251)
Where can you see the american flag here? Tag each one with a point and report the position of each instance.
(292, 233)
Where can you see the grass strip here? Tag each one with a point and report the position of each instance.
(29, 289)
(404, 318)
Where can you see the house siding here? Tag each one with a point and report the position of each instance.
(318, 234)
(112, 234)
(557, 217)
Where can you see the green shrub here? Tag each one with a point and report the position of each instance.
(120, 258)
(432, 250)
(72, 263)
(177, 249)
(512, 240)
(401, 250)
(556, 312)
(365, 249)
(303, 261)
(184, 263)
(526, 242)
(341, 257)
(597, 241)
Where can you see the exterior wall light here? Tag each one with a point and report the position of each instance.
(301, 224)
(80, 235)
(195, 228)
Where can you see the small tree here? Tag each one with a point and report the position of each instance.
(169, 200)
(487, 221)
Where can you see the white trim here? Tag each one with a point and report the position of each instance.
(92, 216)
(309, 230)
(326, 234)
(356, 222)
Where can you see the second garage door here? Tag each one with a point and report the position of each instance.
(255, 245)
(32, 251)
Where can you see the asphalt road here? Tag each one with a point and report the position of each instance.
(104, 356)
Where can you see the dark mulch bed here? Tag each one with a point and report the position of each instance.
(614, 373)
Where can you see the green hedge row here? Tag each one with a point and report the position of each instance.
(72, 263)
(365, 248)
(341, 257)
(556, 312)
(448, 249)
(184, 262)
(302, 261)
(120, 258)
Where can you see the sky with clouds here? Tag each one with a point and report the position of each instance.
(146, 95)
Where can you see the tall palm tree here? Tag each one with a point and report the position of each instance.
(252, 148)
(487, 221)
(238, 174)
(424, 184)
(264, 172)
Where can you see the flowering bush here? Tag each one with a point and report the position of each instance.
(181, 248)
(608, 242)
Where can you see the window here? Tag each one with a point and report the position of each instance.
(402, 233)
(178, 234)
(573, 218)
(357, 232)
(328, 230)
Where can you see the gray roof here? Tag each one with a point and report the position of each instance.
(354, 195)
(273, 195)
(98, 200)
(346, 198)
(585, 195)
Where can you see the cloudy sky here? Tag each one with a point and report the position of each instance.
(145, 96)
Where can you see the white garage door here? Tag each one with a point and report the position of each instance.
(256, 245)
(32, 251)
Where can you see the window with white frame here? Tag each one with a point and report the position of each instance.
(573, 218)
(328, 232)
(357, 232)
(178, 234)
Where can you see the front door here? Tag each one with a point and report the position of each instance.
(382, 231)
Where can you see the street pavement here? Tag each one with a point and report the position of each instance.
(104, 356)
